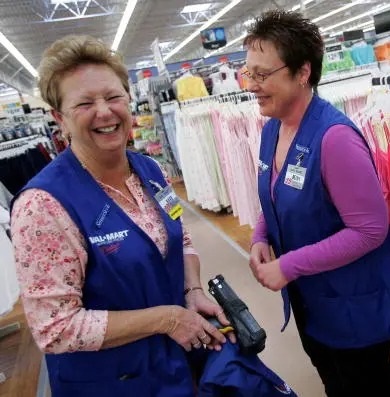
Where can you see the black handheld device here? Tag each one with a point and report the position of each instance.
(251, 337)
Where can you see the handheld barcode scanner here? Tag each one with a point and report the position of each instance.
(251, 337)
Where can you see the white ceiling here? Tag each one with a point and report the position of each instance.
(32, 25)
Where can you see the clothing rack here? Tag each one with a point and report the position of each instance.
(240, 96)
(336, 80)
(15, 143)
(384, 80)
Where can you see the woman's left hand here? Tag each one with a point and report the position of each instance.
(270, 275)
(197, 301)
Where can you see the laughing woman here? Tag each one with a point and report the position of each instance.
(110, 282)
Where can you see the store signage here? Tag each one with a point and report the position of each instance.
(186, 65)
(335, 47)
(158, 58)
(223, 59)
(146, 73)
(13, 109)
(334, 53)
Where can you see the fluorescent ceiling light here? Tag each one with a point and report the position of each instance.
(67, 1)
(249, 22)
(227, 45)
(246, 23)
(369, 28)
(195, 8)
(165, 44)
(204, 26)
(17, 54)
(298, 6)
(123, 24)
(343, 8)
(142, 64)
(364, 14)
(8, 91)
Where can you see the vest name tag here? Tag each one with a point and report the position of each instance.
(295, 176)
(109, 238)
(262, 167)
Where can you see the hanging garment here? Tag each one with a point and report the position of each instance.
(224, 81)
(20, 161)
(168, 115)
(374, 122)
(9, 288)
(382, 49)
(189, 87)
(5, 197)
(363, 54)
(218, 143)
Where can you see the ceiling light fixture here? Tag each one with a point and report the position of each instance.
(18, 55)
(67, 1)
(123, 24)
(196, 8)
(369, 28)
(298, 6)
(364, 14)
(343, 8)
(249, 22)
(203, 27)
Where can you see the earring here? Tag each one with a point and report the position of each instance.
(303, 85)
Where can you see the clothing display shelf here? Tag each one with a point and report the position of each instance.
(19, 146)
(383, 80)
(161, 91)
(236, 96)
(218, 139)
(205, 70)
(348, 90)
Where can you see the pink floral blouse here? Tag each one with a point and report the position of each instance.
(51, 260)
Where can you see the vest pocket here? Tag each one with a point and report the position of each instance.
(328, 321)
(370, 316)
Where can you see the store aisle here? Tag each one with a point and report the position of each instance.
(221, 255)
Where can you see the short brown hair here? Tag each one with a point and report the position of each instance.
(296, 38)
(69, 52)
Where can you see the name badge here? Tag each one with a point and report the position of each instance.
(295, 176)
(169, 202)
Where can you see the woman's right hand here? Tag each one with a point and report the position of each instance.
(190, 330)
(260, 253)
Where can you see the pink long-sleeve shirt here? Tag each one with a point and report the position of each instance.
(352, 183)
(51, 261)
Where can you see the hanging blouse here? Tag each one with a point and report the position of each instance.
(9, 288)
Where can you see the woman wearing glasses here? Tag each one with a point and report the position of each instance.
(324, 214)
(110, 282)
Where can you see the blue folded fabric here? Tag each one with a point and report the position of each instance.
(229, 373)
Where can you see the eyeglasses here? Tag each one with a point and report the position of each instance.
(260, 77)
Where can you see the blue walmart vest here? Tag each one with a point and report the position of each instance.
(345, 308)
(125, 271)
